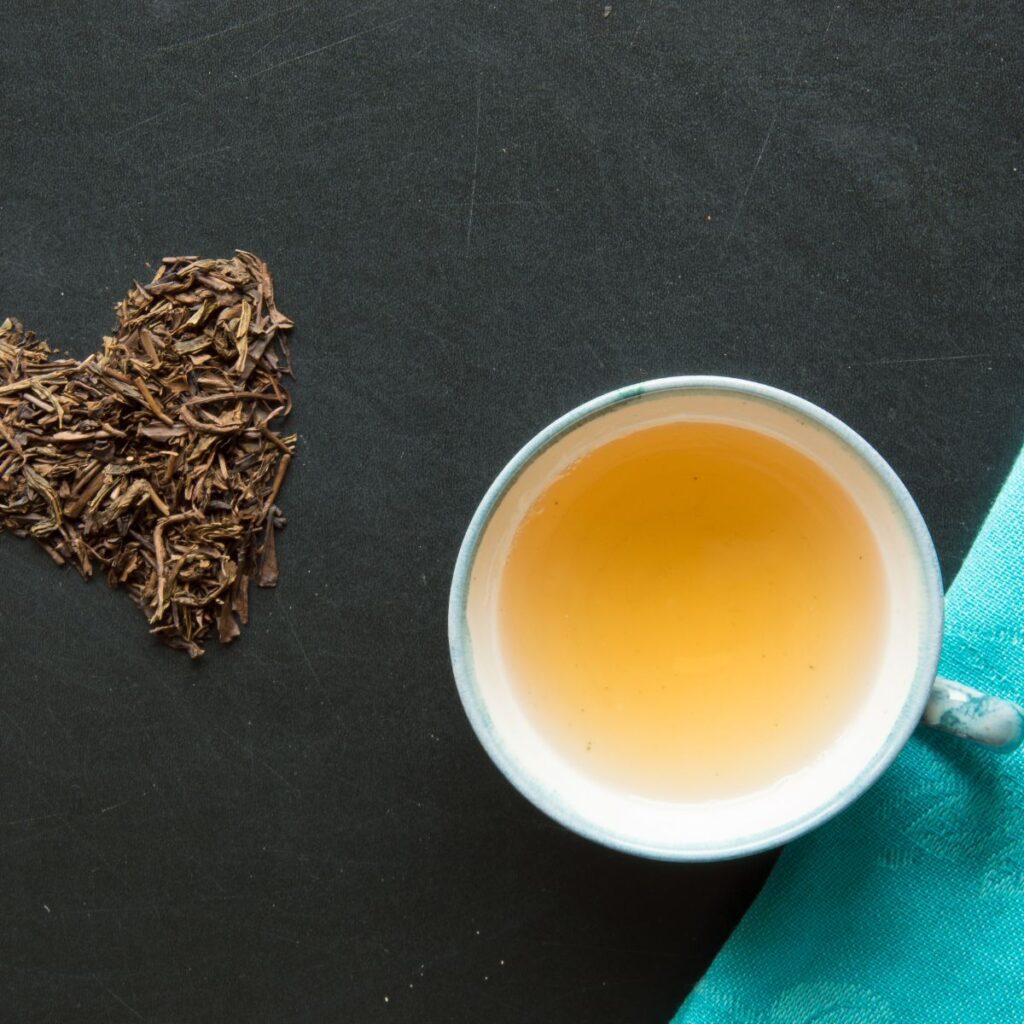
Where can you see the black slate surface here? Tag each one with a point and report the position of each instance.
(479, 215)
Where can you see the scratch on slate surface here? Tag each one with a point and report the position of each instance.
(753, 174)
(925, 359)
(794, 64)
(831, 18)
(476, 162)
(327, 46)
(302, 648)
(237, 27)
(114, 995)
(640, 25)
(139, 124)
(28, 821)
(234, 79)
(114, 807)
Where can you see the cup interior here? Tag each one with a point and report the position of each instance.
(712, 828)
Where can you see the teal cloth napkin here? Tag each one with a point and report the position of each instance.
(909, 906)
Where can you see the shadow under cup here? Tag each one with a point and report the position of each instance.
(712, 828)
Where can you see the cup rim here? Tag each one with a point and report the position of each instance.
(460, 641)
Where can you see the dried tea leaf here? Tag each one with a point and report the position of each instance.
(268, 562)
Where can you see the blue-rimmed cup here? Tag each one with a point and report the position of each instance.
(903, 690)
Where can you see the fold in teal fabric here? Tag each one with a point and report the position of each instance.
(909, 906)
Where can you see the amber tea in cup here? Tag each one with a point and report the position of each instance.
(692, 610)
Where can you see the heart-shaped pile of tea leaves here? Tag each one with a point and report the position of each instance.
(154, 460)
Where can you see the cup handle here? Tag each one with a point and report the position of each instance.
(963, 711)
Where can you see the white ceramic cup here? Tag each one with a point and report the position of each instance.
(894, 702)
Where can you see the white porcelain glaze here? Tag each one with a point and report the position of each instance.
(972, 715)
(714, 828)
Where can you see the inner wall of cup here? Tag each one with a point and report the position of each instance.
(560, 787)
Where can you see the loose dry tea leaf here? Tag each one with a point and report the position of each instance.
(154, 460)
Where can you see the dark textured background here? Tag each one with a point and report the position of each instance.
(479, 215)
